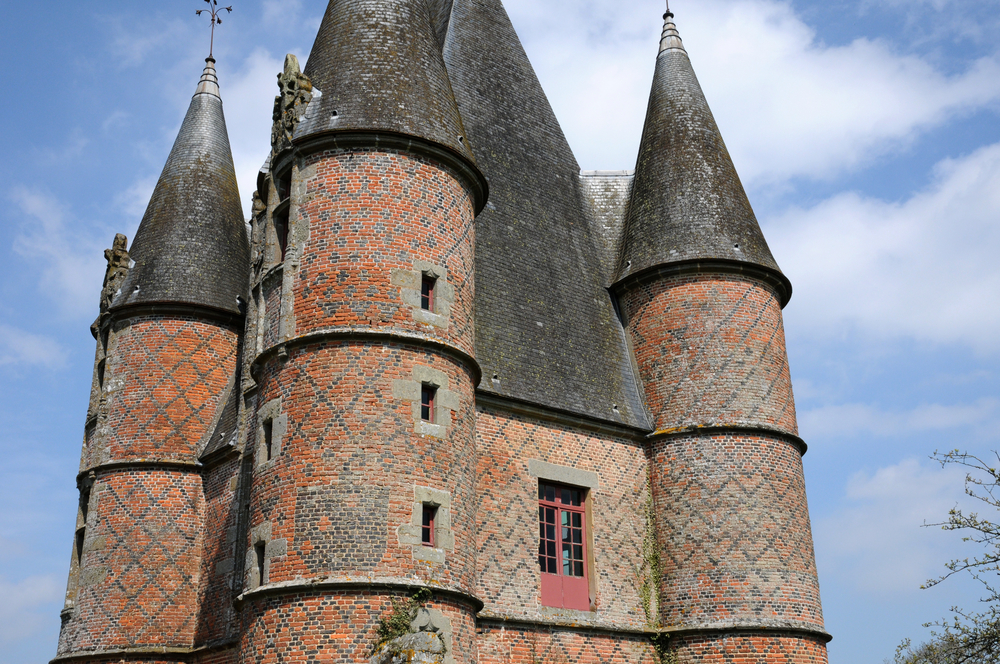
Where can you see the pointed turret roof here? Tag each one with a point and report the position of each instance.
(191, 247)
(687, 204)
(377, 65)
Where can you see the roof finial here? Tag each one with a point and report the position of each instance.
(671, 39)
(213, 7)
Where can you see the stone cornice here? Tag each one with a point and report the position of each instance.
(773, 278)
(536, 411)
(349, 584)
(465, 168)
(747, 429)
(338, 335)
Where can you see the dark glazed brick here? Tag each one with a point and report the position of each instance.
(344, 526)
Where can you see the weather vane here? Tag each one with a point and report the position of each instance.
(214, 9)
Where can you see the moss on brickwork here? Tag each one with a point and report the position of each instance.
(396, 622)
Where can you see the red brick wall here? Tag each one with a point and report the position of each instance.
(351, 451)
(509, 577)
(369, 212)
(523, 645)
(741, 648)
(334, 627)
(164, 379)
(216, 618)
(734, 530)
(711, 351)
(145, 543)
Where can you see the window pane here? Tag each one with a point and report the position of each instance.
(577, 536)
(577, 552)
(552, 565)
(565, 497)
(550, 494)
(579, 568)
(541, 563)
(577, 520)
(551, 549)
(541, 491)
(550, 532)
(565, 518)
(575, 498)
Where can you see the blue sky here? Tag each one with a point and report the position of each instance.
(867, 134)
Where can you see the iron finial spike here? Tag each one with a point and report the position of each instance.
(669, 13)
(214, 19)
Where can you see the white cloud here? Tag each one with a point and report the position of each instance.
(248, 96)
(20, 347)
(70, 263)
(26, 606)
(788, 105)
(925, 268)
(852, 419)
(876, 542)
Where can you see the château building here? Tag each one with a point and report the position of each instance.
(447, 398)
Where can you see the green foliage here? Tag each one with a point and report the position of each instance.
(648, 574)
(968, 637)
(396, 622)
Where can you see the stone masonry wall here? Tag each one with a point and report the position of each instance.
(509, 577)
(711, 351)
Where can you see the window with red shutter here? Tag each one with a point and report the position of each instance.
(562, 546)
(427, 529)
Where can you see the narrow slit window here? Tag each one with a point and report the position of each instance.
(284, 187)
(428, 395)
(81, 535)
(100, 374)
(268, 440)
(281, 230)
(427, 287)
(259, 555)
(427, 529)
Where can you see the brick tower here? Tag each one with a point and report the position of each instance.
(456, 401)
(701, 298)
(364, 409)
(168, 341)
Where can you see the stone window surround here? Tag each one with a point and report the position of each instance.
(409, 283)
(445, 400)
(270, 412)
(273, 548)
(410, 533)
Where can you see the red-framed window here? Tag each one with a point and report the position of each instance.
(562, 546)
(427, 529)
(428, 394)
(427, 284)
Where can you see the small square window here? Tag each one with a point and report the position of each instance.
(427, 528)
(428, 393)
(427, 287)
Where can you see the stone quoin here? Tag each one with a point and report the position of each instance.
(444, 398)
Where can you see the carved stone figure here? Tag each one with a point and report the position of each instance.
(290, 104)
(118, 267)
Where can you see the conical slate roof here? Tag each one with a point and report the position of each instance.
(546, 329)
(687, 203)
(191, 247)
(378, 67)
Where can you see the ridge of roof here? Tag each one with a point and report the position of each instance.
(687, 201)
(546, 327)
(191, 247)
(377, 65)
